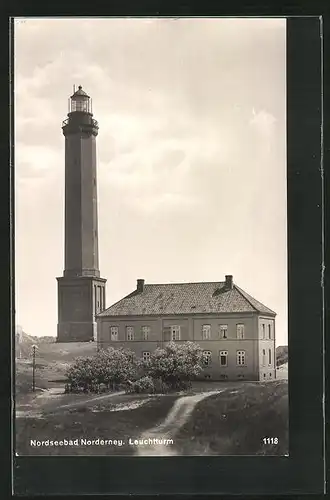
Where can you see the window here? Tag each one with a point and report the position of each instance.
(129, 333)
(207, 358)
(269, 331)
(240, 358)
(269, 356)
(223, 376)
(145, 332)
(206, 332)
(240, 331)
(113, 333)
(223, 356)
(175, 332)
(223, 331)
(80, 105)
(97, 299)
(146, 355)
(263, 357)
(263, 331)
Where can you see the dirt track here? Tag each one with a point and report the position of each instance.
(176, 418)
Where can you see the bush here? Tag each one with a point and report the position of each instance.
(108, 369)
(175, 366)
(161, 386)
(142, 385)
(281, 355)
(169, 369)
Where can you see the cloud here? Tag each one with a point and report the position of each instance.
(184, 170)
(31, 159)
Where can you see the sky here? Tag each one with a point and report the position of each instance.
(191, 154)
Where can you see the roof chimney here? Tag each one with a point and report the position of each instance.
(229, 282)
(140, 285)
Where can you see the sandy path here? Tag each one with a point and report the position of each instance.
(176, 418)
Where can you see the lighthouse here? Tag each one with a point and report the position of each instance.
(81, 290)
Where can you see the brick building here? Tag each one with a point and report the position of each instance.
(235, 331)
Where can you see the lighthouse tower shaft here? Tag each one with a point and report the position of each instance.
(81, 231)
(81, 291)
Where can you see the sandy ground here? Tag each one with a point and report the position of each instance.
(53, 400)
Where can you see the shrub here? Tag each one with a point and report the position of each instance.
(169, 369)
(108, 368)
(142, 385)
(176, 365)
(80, 375)
(161, 386)
(281, 355)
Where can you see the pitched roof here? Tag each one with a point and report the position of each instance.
(186, 298)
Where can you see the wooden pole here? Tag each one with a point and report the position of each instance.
(33, 368)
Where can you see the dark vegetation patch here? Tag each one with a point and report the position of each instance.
(235, 422)
(282, 355)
